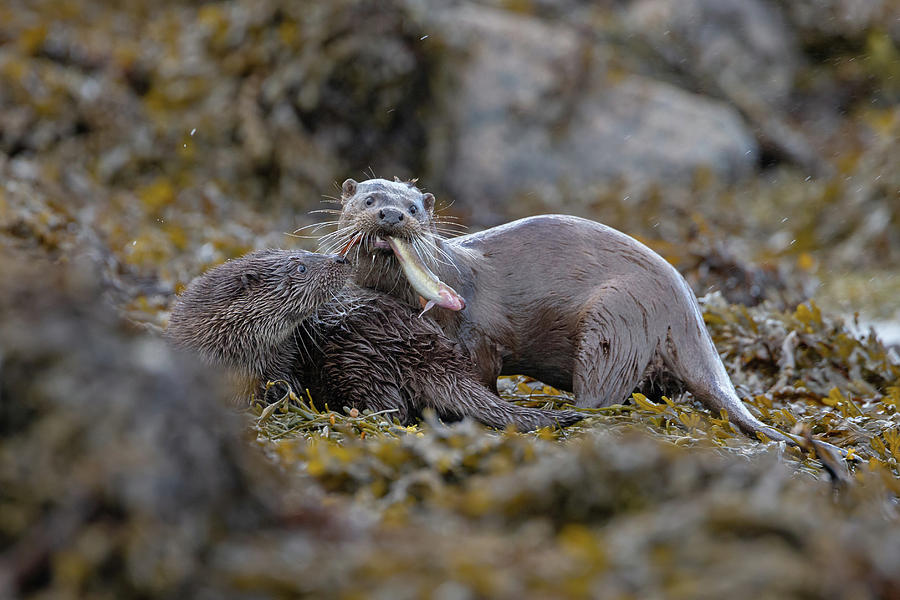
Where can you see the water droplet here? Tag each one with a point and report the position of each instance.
(423, 37)
(193, 131)
(134, 243)
(784, 220)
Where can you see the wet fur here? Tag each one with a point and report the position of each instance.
(354, 348)
(569, 301)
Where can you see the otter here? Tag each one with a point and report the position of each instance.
(571, 302)
(280, 315)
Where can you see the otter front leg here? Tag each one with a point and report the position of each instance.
(613, 348)
(349, 386)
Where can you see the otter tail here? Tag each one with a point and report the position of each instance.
(689, 352)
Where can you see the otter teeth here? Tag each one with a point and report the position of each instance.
(380, 242)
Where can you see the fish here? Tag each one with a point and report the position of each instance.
(426, 283)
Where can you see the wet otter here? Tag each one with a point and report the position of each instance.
(569, 301)
(284, 315)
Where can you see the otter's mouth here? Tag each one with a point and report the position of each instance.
(432, 291)
(379, 243)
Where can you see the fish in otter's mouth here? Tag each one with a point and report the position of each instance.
(432, 290)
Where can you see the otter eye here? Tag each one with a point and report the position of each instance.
(413, 209)
(301, 268)
(369, 201)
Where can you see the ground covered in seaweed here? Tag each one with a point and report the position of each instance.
(140, 145)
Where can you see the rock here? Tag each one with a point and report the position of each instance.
(540, 105)
(738, 50)
(743, 47)
(847, 19)
(119, 469)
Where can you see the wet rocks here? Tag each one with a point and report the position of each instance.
(542, 105)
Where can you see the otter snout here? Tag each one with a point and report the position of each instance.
(389, 217)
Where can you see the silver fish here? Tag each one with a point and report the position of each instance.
(426, 283)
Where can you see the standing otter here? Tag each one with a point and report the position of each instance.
(281, 315)
(571, 302)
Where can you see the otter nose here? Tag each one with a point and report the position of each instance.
(389, 216)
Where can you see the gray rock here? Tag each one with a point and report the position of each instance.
(541, 105)
(741, 51)
(848, 19)
(741, 47)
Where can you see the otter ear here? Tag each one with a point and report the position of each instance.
(248, 279)
(428, 201)
(348, 188)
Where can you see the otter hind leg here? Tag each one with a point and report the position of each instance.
(454, 394)
(615, 345)
(470, 398)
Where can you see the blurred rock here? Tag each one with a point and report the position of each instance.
(119, 469)
(542, 106)
(737, 50)
(847, 19)
(743, 47)
(713, 267)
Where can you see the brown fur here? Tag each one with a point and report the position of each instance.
(359, 349)
(568, 301)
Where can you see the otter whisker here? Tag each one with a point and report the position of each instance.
(328, 241)
(444, 205)
(341, 234)
(448, 225)
(448, 221)
(358, 247)
(336, 239)
(318, 224)
(434, 253)
(312, 338)
(451, 230)
(429, 240)
(422, 252)
(299, 343)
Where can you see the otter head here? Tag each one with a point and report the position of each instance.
(373, 211)
(376, 209)
(239, 313)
